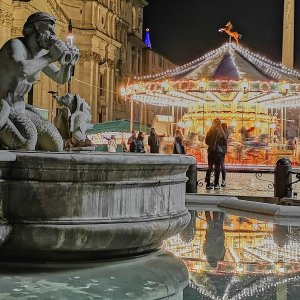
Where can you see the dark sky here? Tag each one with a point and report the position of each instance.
(183, 30)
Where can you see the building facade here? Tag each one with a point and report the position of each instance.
(108, 34)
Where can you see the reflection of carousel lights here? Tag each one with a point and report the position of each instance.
(208, 123)
(239, 268)
(203, 291)
(249, 250)
(263, 286)
(256, 288)
(272, 125)
(258, 124)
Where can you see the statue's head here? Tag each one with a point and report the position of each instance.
(41, 25)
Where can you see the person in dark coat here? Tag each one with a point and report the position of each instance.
(217, 146)
(178, 143)
(140, 148)
(132, 142)
(223, 169)
(153, 141)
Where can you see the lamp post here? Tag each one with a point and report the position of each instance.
(70, 38)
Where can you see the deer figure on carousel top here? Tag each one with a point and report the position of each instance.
(234, 34)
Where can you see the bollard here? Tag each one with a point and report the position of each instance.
(282, 178)
(191, 184)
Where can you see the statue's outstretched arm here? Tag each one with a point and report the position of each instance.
(63, 74)
(59, 75)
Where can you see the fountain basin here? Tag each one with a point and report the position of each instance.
(70, 206)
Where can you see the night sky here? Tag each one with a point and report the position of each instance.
(184, 30)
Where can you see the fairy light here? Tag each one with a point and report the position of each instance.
(189, 89)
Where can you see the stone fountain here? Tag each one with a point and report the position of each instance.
(59, 206)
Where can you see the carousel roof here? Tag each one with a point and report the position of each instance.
(228, 69)
(230, 62)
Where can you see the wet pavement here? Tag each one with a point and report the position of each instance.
(244, 184)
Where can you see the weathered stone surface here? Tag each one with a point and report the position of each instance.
(91, 205)
(6, 159)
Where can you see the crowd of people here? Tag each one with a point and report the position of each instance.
(137, 143)
(216, 140)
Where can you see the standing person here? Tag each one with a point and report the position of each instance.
(216, 141)
(153, 141)
(223, 169)
(140, 147)
(178, 143)
(112, 145)
(132, 142)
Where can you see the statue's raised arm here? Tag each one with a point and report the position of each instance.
(21, 61)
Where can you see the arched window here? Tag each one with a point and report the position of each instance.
(134, 25)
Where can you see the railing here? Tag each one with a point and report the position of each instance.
(249, 181)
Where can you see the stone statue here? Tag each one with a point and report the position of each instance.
(21, 61)
(73, 119)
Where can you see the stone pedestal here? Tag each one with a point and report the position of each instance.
(70, 206)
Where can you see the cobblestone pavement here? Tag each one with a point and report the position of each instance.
(245, 184)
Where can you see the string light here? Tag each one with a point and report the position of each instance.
(161, 89)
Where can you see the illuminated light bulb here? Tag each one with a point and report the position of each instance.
(208, 123)
(165, 85)
(272, 125)
(244, 85)
(233, 123)
(180, 124)
(188, 123)
(202, 85)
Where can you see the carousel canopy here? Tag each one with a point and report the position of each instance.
(230, 62)
(228, 69)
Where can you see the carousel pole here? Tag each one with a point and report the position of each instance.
(281, 124)
(141, 114)
(173, 115)
(131, 115)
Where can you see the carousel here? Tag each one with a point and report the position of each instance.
(245, 90)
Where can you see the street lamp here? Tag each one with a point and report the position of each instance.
(70, 38)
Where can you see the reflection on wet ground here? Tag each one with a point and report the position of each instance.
(217, 257)
(232, 257)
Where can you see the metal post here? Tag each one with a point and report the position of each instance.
(191, 184)
(282, 178)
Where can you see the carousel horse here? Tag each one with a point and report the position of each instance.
(234, 34)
